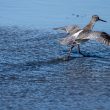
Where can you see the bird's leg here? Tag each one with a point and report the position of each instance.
(79, 48)
(69, 52)
(80, 51)
(67, 57)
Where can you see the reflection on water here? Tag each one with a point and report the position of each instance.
(34, 76)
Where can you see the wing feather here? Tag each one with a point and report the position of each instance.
(68, 29)
(99, 36)
(104, 38)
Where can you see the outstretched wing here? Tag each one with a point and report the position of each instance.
(68, 29)
(98, 36)
(104, 38)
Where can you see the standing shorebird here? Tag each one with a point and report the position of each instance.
(78, 36)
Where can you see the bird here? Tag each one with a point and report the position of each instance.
(79, 36)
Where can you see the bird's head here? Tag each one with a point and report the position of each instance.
(97, 18)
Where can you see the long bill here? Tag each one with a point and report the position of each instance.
(102, 20)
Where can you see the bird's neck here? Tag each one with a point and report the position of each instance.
(89, 26)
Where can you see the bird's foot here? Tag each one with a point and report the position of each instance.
(66, 58)
(84, 55)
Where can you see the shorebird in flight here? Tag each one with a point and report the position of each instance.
(77, 36)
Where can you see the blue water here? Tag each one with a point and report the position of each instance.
(48, 14)
(33, 75)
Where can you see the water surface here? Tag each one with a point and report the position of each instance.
(32, 74)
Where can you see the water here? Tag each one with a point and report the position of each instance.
(49, 14)
(32, 74)
(33, 77)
